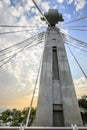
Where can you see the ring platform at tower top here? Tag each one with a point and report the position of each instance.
(53, 17)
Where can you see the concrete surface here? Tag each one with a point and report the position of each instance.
(57, 102)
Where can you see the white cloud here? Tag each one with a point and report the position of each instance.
(7, 2)
(67, 16)
(81, 82)
(81, 86)
(29, 4)
(60, 1)
(45, 6)
(69, 1)
(1, 5)
(80, 4)
(18, 76)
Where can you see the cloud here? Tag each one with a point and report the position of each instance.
(81, 82)
(43, 5)
(67, 16)
(60, 1)
(46, 7)
(80, 86)
(17, 78)
(1, 5)
(80, 4)
(69, 1)
(19, 75)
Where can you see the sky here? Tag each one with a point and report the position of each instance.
(17, 77)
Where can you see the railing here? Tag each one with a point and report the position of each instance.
(42, 128)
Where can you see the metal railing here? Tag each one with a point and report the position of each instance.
(42, 128)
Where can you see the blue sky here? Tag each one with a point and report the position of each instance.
(18, 76)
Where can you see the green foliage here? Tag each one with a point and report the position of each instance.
(83, 108)
(83, 102)
(24, 115)
(17, 117)
(4, 117)
(16, 114)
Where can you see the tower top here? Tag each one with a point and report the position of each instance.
(53, 17)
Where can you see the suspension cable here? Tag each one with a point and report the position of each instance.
(11, 26)
(75, 26)
(76, 40)
(16, 52)
(28, 117)
(5, 58)
(77, 44)
(30, 107)
(76, 47)
(31, 38)
(79, 41)
(77, 62)
(75, 20)
(26, 47)
(17, 48)
(76, 29)
(41, 12)
(29, 30)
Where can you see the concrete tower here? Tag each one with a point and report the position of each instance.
(57, 103)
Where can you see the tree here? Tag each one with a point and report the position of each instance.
(32, 115)
(16, 114)
(83, 108)
(5, 115)
(83, 102)
(17, 117)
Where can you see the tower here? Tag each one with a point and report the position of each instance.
(57, 103)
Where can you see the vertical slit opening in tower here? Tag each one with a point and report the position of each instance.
(55, 64)
(57, 108)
